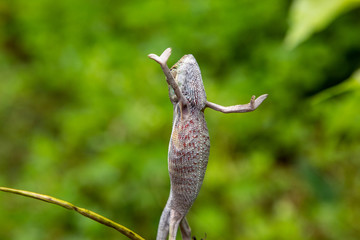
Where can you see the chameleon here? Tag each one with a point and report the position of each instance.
(189, 145)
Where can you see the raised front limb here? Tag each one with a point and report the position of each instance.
(251, 106)
(169, 78)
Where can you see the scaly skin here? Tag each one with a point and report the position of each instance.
(188, 157)
(189, 143)
(189, 146)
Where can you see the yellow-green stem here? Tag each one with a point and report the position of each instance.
(87, 213)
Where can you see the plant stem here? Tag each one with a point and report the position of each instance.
(87, 213)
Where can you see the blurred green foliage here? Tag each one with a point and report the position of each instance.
(308, 16)
(85, 117)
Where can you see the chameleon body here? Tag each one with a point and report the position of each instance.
(189, 143)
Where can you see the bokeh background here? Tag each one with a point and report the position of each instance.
(85, 116)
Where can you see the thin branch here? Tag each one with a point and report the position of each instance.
(87, 213)
(162, 60)
(251, 106)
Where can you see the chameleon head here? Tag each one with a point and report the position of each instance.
(187, 75)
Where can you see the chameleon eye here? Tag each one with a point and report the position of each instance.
(173, 72)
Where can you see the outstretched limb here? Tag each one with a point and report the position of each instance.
(162, 60)
(251, 106)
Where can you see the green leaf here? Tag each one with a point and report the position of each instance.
(310, 16)
(349, 85)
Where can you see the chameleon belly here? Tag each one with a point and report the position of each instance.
(187, 161)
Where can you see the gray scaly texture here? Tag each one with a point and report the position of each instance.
(188, 149)
(189, 143)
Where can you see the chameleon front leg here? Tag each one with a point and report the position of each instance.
(251, 106)
(162, 60)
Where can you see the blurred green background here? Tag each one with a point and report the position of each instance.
(85, 116)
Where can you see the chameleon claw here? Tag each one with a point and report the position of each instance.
(155, 57)
(252, 102)
(166, 54)
(259, 100)
(162, 60)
